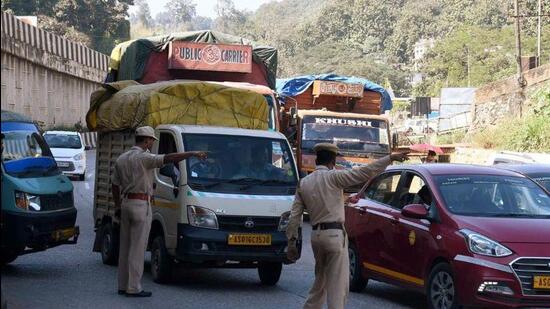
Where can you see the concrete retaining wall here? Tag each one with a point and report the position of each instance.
(46, 76)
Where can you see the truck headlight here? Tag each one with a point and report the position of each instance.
(27, 201)
(202, 217)
(78, 157)
(283, 222)
(482, 245)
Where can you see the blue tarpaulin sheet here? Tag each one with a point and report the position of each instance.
(294, 86)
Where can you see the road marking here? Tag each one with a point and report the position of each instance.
(394, 274)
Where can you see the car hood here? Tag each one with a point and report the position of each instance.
(65, 152)
(508, 230)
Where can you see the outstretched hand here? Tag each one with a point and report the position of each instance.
(202, 155)
(400, 156)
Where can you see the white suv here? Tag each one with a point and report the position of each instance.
(69, 152)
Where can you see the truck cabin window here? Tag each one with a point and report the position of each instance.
(351, 135)
(240, 160)
(167, 144)
(26, 154)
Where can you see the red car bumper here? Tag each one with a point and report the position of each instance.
(482, 282)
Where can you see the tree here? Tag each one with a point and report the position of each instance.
(181, 11)
(103, 22)
(229, 19)
(143, 13)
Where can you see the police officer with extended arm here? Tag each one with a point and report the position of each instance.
(321, 194)
(132, 192)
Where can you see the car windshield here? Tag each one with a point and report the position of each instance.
(25, 154)
(349, 134)
(493, 196)
(542, 178)
(56, 140)
(240, 160)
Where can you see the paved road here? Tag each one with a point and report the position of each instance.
(72, 276)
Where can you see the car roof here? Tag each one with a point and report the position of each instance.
(529, 168)
(193, 129)
(62, 132)
(438, 169)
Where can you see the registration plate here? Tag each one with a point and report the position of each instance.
(541, 282)
(249, 239)
(63, 164)
(63, 234)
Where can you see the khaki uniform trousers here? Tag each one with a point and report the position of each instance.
(135, 224)
(330, 249)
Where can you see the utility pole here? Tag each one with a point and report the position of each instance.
(518, 42)
(539, 26)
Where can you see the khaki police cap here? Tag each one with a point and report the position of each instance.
(146, 131)
(327, 147)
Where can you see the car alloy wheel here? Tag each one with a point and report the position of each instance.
(442, 290)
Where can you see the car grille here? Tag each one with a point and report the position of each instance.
(237, 224)
(56, 201)
(526, 268)
(69, 168)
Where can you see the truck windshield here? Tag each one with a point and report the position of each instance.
(63, 141)
(349, 134)
(493, 196)
(241, 161)
(26, 155)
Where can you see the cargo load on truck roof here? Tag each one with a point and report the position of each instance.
(194, 55)
(317, 91)
(129, 104)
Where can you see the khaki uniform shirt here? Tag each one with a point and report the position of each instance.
(134, 171)
(321, 193)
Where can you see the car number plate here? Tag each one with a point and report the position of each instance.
(63, 164)
(63, 234)
(541, 282)
(249, 239)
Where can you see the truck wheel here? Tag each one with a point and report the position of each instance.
(357, 282)
(161, 262)
(441, 290)
(109, 245)
(270, 272)
(7, 256)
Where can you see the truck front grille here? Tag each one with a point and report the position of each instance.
(56, 201)
(526, 268)
(239, 223)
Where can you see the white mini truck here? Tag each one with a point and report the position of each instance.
(230, 210)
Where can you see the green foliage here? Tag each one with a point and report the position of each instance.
(457, 136)
(528, 134)
(100, 24)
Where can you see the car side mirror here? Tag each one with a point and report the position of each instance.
(415, 211)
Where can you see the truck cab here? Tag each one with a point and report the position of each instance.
(361, 138)
(38, 209)
(228, 211)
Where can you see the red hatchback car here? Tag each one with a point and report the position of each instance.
(465, 235)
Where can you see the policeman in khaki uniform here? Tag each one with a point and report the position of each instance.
(321, 194)
(132, 185)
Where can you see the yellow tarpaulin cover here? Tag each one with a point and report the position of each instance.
(128, 104)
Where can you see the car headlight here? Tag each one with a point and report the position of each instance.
(27, 201)
(283, 222)
(78, 157)
(202, 217)
(482, 245)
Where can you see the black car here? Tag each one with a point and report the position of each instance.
(537, 171)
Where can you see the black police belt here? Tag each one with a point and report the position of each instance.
(329, 226)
